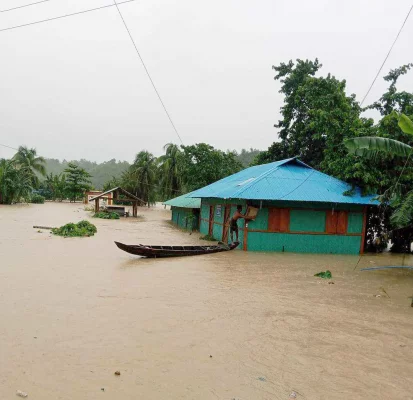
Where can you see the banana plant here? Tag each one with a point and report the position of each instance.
(371, 147)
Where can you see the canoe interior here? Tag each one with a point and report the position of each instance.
(173, 251)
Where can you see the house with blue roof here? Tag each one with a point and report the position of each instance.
(299, 209)
(185, 211)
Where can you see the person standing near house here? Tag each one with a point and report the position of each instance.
(234, 223)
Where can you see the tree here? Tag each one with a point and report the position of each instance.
(170, 171)
(202, 165)
(34, 164)
(370, 147)
(55, 185)
(141, 178)
(77, 181)
(246, 157)
(15, 182)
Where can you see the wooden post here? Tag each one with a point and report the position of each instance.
(96, 205)
(245, 244)
(363, 231)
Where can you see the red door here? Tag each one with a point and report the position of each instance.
(227, 214)
(211, 220)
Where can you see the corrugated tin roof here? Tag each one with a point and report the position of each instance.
(289, 180)
(184, 202)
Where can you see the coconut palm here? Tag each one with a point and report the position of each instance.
(34, 164)
(170, 171)
(141, 177)
(371, 147)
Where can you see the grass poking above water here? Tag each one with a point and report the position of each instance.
(81, 229)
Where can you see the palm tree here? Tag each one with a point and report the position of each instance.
(15, 182)
(371, 147)
(28, 158)
(170, 171)
(142, 176)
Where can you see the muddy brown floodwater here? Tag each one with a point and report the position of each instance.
(224, 326)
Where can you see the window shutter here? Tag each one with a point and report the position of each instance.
(284, 220)
(274, 220)
(331, 222)
(336, 222)
(342, 222)
(279, 220)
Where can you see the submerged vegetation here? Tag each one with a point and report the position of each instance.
(106, 215)
(81, 229)
(208, 238)
(37, 199)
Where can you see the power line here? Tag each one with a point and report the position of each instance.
(24, 6)
(64, 16)
(387, 56)
(9, 147)
(147, 72)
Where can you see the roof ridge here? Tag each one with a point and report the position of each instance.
(263, 175)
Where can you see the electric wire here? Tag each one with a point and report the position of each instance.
(65, 16)
(24, 6)
(387, 56)
(147, 71)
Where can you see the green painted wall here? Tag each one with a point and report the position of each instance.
(355, 222)
(182, 218)
(307, 221)
(301, 220)
(334, 244)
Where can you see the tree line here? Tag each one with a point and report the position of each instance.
(318, 123)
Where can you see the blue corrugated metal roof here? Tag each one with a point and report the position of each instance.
(184, 202)
(289, 180)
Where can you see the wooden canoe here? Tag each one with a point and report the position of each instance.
(174, 251)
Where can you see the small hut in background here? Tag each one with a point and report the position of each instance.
(93, 193)
(119, 194)
(185, 211)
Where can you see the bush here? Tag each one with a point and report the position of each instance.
(209, 238)
(81, 229)
(106, 215)
(37, 199)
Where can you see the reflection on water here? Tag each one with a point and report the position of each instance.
(74, 311)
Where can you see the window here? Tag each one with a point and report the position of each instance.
(336, 222)
(279, 220)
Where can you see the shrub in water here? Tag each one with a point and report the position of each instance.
(106, 215)
(37, 199)
(81, 229)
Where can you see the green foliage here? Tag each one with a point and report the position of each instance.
(34, 165)
(81, 229)
(100, 172)
(55, 185)
(208, 238)
(203, 164)
(141, 177)
(170, 171)
(324, 274)
(15, 182)
(37, 199)
(246, 157)
(106, 215)
(370, 146)
(77, 181)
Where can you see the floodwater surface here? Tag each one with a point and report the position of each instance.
(234, 325)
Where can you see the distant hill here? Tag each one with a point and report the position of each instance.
(101, 173)
(246, 157)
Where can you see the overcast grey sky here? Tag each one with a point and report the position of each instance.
(75, 88)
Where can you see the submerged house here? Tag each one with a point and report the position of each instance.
(185, 211)
(299, 209)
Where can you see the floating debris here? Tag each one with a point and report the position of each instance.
(261, 378)
(293, 395)
(324, 274)
(117, 373)
(21, 394)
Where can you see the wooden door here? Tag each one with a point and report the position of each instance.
(225, 229)
(211, 221)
